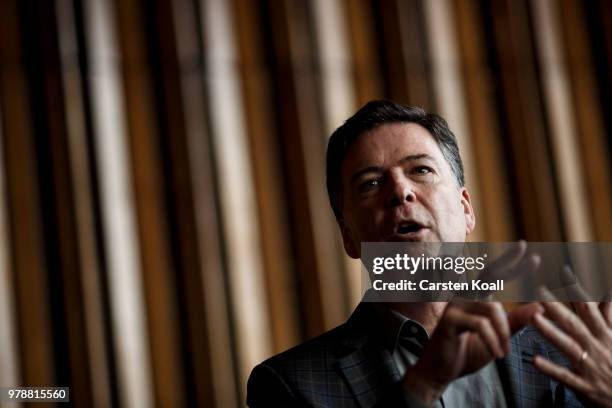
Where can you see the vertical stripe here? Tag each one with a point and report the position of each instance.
(589, 120)
(317, 249)
(449, 94)
(362, 39)
(569, 167)
(89, 269)
(59, 223)
(124, 268)
(335, 62)
(403, 49)
(522, 112)
(268, 178)
(9, 357)
(337, 95)
(141, 73)
(238, 200)
(205, 276)
(29, 271)
(484, 127)
(206, 346)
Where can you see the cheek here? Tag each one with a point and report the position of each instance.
(449, 208)
(367, 223)
(456, 216)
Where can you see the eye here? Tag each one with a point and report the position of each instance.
(369, 184)
(422, 170)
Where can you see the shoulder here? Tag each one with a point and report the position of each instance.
(310, 372)
(282, 379)
(318, 353)
(313, 355)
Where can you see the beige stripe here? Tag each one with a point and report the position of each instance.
(338, 96)
(240, 220)
(449, 93)
(560, 112)
(322, 232)
(124, 268)
(218, 324)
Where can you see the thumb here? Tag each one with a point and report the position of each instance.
(522, 315)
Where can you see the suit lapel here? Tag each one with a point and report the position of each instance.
(368, 368)
(369, 374)
(524, 385)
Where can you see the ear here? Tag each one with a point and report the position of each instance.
(350, 244)
(468, 211)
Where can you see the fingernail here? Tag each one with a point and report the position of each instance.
(537, 359)
(537, 317)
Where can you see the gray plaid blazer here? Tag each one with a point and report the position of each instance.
(350, 366)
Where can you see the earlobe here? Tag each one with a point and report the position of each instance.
(348, 241)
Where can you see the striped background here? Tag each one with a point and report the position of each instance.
(164, 223)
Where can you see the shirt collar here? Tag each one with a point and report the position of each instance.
(395, 325)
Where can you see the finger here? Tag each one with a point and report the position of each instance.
(588, 311)
(558, 338)
(561, 374)
(526, 265)
(591, 315)
(464, 321)
(572, 287)
(507, 260)
(496, 314)
(523, 315)
(483, 327)
(605, 306)
(568, 321)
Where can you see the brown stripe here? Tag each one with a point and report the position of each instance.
(29, 271)
(523, 120)
(590, 126)
(267, 172)
(484, 131)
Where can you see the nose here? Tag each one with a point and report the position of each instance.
(401, 190)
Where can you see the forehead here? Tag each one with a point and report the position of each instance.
(387, 144)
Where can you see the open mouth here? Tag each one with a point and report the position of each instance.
(409, 228)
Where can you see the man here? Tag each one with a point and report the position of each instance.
(394, 173)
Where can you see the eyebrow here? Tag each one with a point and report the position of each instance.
(374, 169)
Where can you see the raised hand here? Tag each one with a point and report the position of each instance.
(585, 338)
(468, 336)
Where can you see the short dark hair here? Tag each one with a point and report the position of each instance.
(376, 113)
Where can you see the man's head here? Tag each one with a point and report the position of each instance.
(394, 173)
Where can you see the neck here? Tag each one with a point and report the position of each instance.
(426, 313)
